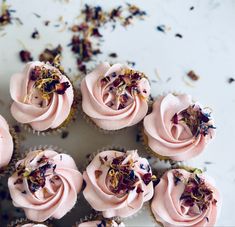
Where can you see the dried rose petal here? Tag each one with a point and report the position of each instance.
(25, 56)
(62, 87)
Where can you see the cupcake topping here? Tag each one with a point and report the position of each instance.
(36, 175)
(120, 88)
(109, 223)
(196, 193)
(121, 176)
(198, 121)
(102, 223)
(48, 81)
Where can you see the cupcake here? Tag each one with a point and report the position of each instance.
(178, 128)
(45, 184)
(43, 97)
(184, 198)
(115, 97)
(6, 145)
(118, 183)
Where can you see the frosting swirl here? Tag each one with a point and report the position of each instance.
(185, 199)
(42, 96)
(32, 225)
(115, 97)
(101, 223)
(118, 183)
(6, 143)
(45, 184)
(178, 128)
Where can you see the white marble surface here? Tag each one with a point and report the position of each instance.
(207, 47)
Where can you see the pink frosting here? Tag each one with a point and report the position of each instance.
(98, 222)
(173, 139)
(170, 209)
(32, 225)
(98, 190)
(29, 107)
(114, 107)
(55, 195)
(6, 143)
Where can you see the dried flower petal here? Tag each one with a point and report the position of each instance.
(48, 55)
(192, 75)
(25, 56)
(98, 173)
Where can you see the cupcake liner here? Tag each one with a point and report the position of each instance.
(23, 221)
(188, 168)
(15, 156)
(68, 121)
(153, 154)
(89, 217)
(135, 215)
(94, 125)
(150, 212)
(144, 140)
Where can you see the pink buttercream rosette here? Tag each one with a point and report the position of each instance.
(45, 184)
(170, 138)
(6, 143)
(184, 198)
(32, 109)
(9, 145)
(115, 97)
(100, 191)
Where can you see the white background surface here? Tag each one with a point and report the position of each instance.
(207, 47)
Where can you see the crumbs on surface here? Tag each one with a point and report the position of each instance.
(35, 34)
(85, 43)
(192, 75)
(231, 80)
(178, 35)
(25, 56)
(5, 15)
(64, 134)
(49, 55)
